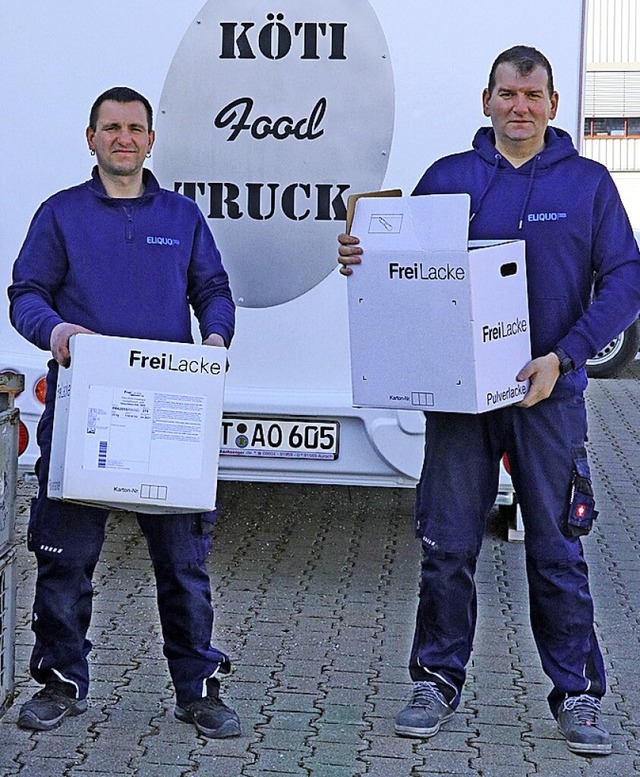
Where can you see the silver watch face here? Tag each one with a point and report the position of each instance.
(270, 120)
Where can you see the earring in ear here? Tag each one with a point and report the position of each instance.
(149, 155)
(92, 152)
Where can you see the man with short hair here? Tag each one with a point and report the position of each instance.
(87, 265)
(583, 274)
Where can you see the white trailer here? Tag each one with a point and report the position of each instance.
(269, 115)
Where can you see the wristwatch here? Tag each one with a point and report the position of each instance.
(566, 362)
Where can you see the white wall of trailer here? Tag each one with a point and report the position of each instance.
(289, 359)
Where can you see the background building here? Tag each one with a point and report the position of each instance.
(612, 95)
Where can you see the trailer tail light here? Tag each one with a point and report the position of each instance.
(23, 438)
(505, 461)
(40, 389)
(10, 373)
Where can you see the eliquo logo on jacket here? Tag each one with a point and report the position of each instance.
(546, 216)
(159, 240)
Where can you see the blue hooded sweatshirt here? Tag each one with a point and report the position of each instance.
(128, 268)
(583, 264)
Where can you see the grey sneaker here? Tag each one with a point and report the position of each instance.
(211, 717)
(50, 706)
(580, 722)
(426, 711)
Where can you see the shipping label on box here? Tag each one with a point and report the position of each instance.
(137, 425)
(436, 323)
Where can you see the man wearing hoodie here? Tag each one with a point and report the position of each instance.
(526, 181)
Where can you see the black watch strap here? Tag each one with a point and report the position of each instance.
(566, 362)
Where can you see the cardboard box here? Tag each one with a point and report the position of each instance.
(137, 425)
(436, 323)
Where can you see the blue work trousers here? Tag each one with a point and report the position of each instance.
(67, 539)
(457, 490)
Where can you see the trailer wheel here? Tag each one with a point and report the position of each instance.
(616, 355)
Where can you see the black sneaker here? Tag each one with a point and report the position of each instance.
(50, 706)
(210, 716)
(426, 711)
(580, 722)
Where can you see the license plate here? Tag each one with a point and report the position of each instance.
(279, 438)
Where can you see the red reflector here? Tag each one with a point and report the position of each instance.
(505, 461)
(40, 389)
(23, 438)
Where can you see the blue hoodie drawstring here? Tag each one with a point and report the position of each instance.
(496, 164)
(532, 174)
(529, 188)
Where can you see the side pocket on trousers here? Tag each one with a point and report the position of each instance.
(582, 512)
(206, 523)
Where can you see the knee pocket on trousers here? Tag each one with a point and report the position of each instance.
(449, 557)
(446, 548)
(68, 532)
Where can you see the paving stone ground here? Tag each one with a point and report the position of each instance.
(315, 593)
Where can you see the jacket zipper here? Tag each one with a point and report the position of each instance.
(128, 209)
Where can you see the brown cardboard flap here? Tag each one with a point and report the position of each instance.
(353, 198)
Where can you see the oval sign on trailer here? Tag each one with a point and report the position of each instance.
(267, 122)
